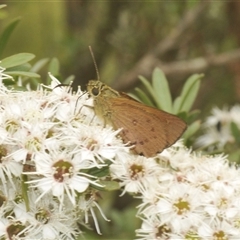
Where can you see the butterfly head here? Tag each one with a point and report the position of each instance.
(96, 89)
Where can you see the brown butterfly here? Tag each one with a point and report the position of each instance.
(149, 129)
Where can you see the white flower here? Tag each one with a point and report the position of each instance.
(135, 172)
(8, 166)
(12, 229)
(217, 127)
(44, 220)
(218, 229)
(86, 204)
(98, 143)
(152, 228)
(61, 172)
(3, 76)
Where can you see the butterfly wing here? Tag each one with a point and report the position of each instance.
(149, 129)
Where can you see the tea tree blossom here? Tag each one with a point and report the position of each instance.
(217, 128)
(50, 149)
(196, 201)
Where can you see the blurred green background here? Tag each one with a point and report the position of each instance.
(122, 33)
(131, 38)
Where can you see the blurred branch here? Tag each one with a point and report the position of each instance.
(146, 64)
(172, 39)
(198, 64)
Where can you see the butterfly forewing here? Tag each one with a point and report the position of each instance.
(149, 129)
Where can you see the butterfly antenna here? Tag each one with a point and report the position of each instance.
(94, 61)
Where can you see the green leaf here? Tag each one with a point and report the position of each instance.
(54, 67)
(16, 60)
(234, 156)
(134, 97)
(143, 96)
(177, 104)
(23, 68)
(99, 172)
(192, 129)
(8, 81)
(189, 92)
(161, 90)
(236, 132)
(7, 33)
(69, 80)
(147, 85)
(34, 83)
(193, 115)
(23, 74)
(39, 64)
(110, 185)
(183, 115)
(24, 191)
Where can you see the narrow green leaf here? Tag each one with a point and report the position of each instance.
(98, 172)
(192, 129)
(162, 91)
(177, 104)
(34, 83)
(147, 84)
(69, 79)
(39, 64)
(148, 87)
(110, 185)
(189, 92)
(7, 33)
(236, 132)
(193, 115)
(24, 191)
(16, 60)
(54, 67)
(134, 96)
(234, 156)
(23, 74)
(23, 68)
(8, 81)
(143, 96)
(183, 115)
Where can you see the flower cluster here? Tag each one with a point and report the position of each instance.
(217, 128)
(56, 156)
(183, 195)
(51, 151)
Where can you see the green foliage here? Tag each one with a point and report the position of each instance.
(7, 33)
(233, 148)
(109, 185)
(54, 67)
(161, 90)
(16, 60)
(184, 102)
(19, 67)
(158, 94)
(235, 132)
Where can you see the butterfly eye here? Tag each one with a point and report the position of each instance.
(95, 91)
